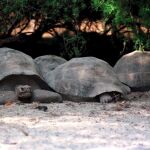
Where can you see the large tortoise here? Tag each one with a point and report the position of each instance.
(47, 63)
(19, 79)
(86, 79)
(133, 69)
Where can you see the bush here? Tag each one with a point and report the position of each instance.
(49, 14)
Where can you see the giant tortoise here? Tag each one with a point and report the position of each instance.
(133, 69)
(47, 63)
(19, 79)
(87, 79)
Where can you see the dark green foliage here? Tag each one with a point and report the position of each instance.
(74, 46)
(132, 14)
(48, 14)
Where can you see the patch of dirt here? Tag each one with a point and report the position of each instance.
(77, 126)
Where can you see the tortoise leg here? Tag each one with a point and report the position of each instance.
(45, 96)
(110, 97)
(105, 98)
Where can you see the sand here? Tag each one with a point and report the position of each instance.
(77, 126)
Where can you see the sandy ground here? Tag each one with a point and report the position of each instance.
(77, 126)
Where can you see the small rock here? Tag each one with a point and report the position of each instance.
(7, 96)
(43, 108)
(122, 105)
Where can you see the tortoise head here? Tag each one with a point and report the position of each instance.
(23, 92)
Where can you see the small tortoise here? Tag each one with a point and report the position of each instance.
(86, 79)
(19, 79)
(133, 69)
